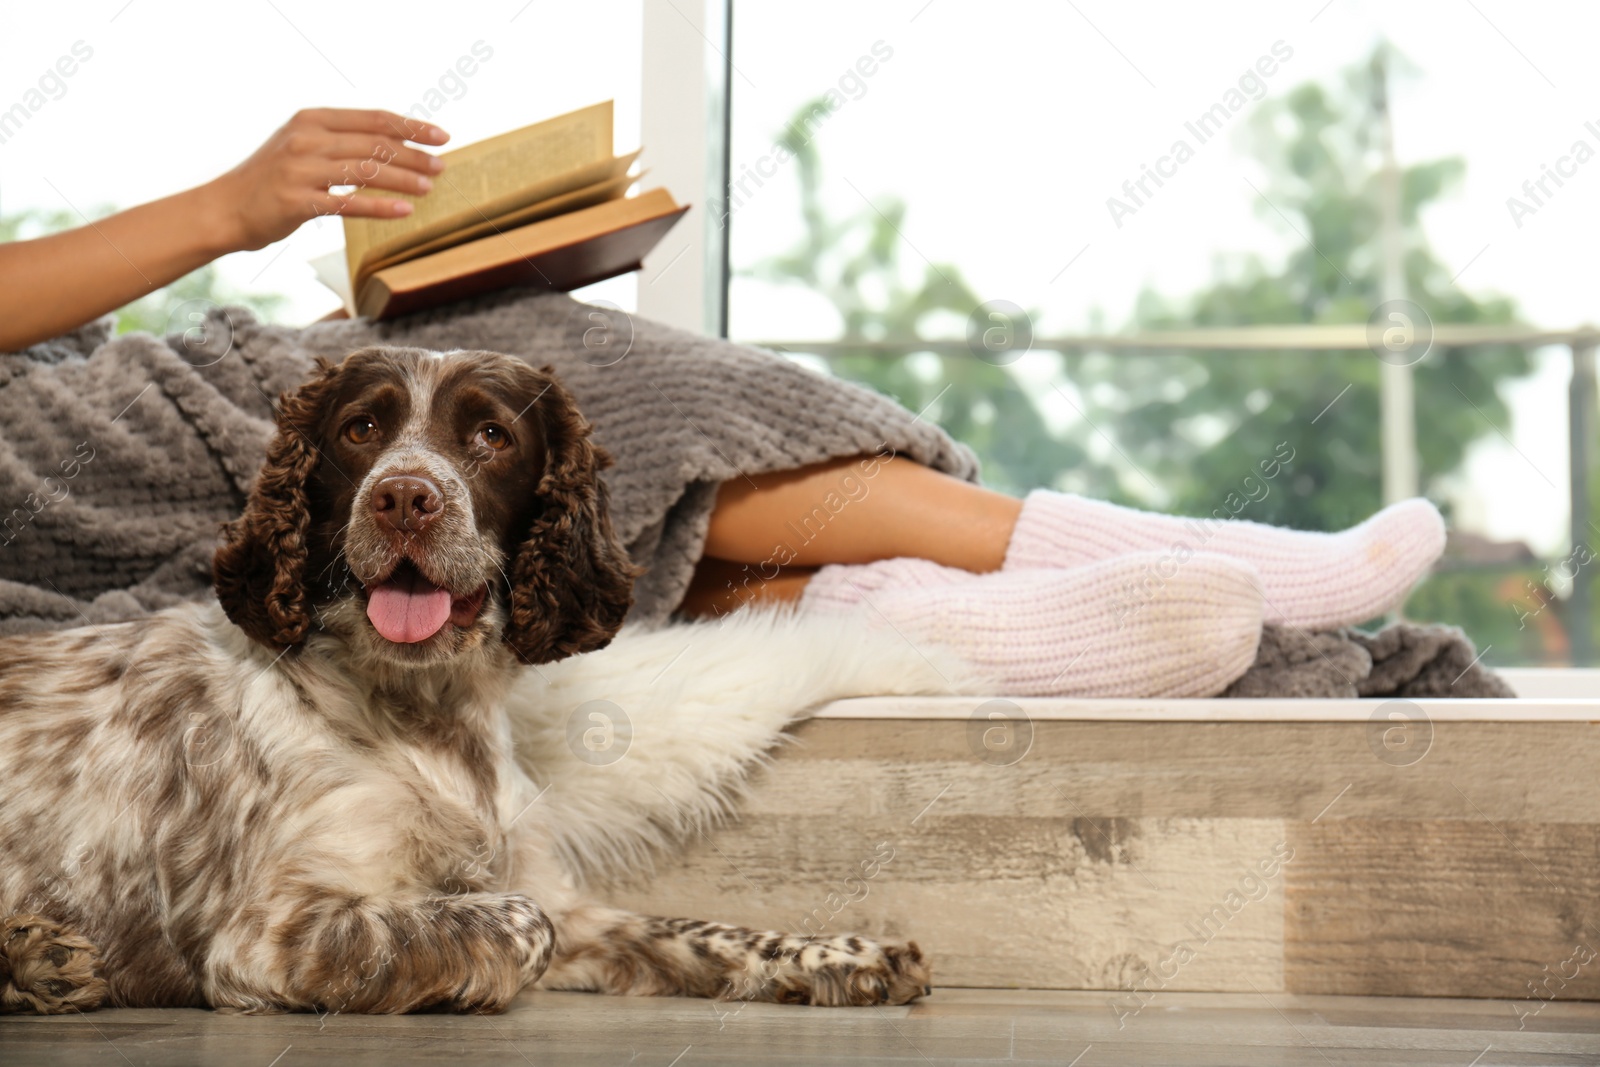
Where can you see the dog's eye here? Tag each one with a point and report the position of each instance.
(493, 437)
(360, 430)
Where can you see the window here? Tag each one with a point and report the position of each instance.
(953, 201)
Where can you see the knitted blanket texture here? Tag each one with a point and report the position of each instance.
(121, 456)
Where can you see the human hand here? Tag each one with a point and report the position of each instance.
(285, 182)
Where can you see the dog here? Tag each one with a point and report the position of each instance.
(302, 796)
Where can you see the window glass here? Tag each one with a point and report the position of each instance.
(919, 189)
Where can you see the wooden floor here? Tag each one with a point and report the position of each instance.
(954, 1026)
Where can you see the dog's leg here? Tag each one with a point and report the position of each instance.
(338, 952)
(46, 969)
(603, 950)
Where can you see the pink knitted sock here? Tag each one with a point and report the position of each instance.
(1314, 580)
(1133, 626)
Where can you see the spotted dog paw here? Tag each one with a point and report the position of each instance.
(505, 921)
(46, 969)
(532, 933)
(855, 972)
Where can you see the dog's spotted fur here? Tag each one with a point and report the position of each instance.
(278, 809)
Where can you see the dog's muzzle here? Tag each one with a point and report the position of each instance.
(428, 571)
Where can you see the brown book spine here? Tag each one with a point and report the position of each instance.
(560, 269)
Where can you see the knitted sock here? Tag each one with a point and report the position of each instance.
(1313, 580)
(1133, 626)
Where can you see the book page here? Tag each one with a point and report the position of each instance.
(614, 182)
(329, 268)
(484, 180)
(597, 225)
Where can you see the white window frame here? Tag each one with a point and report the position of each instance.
(684, 130)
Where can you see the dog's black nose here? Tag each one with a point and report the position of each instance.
(406, 502)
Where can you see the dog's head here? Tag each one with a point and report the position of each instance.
(421, 504)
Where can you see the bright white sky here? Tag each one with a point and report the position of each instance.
(1004, 124)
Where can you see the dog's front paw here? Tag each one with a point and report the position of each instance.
(858, 972)
(46, 969)
(505, 921)
(532, 933)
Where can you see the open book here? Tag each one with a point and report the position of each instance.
(545, 205)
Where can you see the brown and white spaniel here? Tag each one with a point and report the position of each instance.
(303, 796)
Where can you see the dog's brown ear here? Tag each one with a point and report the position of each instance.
(571, 579)
(259, 569)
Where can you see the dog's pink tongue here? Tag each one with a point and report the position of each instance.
(408, 609)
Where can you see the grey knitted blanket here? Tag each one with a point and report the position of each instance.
(1400, 660)
(120, 456)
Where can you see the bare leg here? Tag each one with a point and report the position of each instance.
(852, 510)
(720, 586)
(919, 536)
(837, 512)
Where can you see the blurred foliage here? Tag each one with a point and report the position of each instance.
(1190, 427)
(159, 312)
(1323, 174)
(855, 262)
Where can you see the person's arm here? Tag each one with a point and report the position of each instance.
(49, 285)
